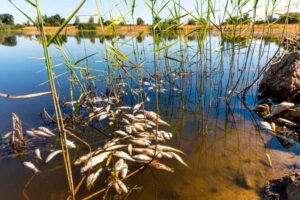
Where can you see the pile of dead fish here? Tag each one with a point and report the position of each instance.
(135, 141)
(280, 119)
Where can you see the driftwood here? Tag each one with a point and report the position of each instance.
(28, 96)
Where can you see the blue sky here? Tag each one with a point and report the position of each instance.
(112, 9)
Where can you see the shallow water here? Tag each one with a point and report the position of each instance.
(225, 152)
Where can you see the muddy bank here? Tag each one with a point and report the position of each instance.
(285, 188)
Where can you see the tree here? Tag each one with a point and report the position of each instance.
(77, 20)
(191, 22)
(140, 21)
(100, 21)
(244, 19)
(54, 20)
(290, 18)
(7, 19)
(91, 20)
(156, 19)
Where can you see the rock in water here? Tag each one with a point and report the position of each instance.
(282, 79)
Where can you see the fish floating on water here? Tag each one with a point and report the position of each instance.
(31, 166)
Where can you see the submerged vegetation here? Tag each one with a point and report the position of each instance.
(131, 133)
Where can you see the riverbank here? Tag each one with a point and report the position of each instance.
(273, 31)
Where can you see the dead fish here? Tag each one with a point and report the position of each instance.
(128, 129)
(30, 133)
(41, 133)
(140, 116)
(269, 160)
(166, 154)
(117, 188)
(122, 133)
(124, 170)
(122, 186)
(70, 144)
(115, 147)
(52, 155)
(275, 110)
(46, 130)
(131, 117)
(286, 122)
(102, 117)
(266, 126)
(38, 154)
(125, 107)
(130, 149)
(166, 148)
(142, 157)
(31, 166)
(161, 166)
(137, 107)
(83, 158)
(126, 121)
(119, 164)
(138, 126)
(7, 135)
(92, 178)
(141, 142)
(93, 161)
(123, 155)
(177, 157)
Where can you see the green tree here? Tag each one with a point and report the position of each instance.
(91, 20)
(7, 19)
(140, 21)
(191, 22)
(77, 20)
(290, 18)
(54, 20)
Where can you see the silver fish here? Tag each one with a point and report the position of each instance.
(117, 188)
(161, 166)
(30, 133)
(95, 160)
(122, 186)
(7, 135)
(31, 166)
(123, 155)
(124, 170)
(92, 178)
(41, 133)
(115, 147)
(137, 107)
(46, 130)
(70, 144)
(166, 148)
(177, 157)
(83, 158)
(52, 155)
(130, 149)
(119, 164)
(142, 157)
(122, 133)
(275, 110)
(38, 154)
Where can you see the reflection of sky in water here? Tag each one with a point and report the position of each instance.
(217, 135)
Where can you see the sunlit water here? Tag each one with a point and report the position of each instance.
(225, 152)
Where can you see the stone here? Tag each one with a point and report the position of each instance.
(282, 80)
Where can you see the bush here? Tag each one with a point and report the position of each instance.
(140, 21)
(87, 27)
(192, 22)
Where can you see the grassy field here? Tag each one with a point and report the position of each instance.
(275, 30)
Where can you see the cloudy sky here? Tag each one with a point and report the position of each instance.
(112, 9)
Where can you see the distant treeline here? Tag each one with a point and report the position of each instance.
(291, 18)
(158, 23)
